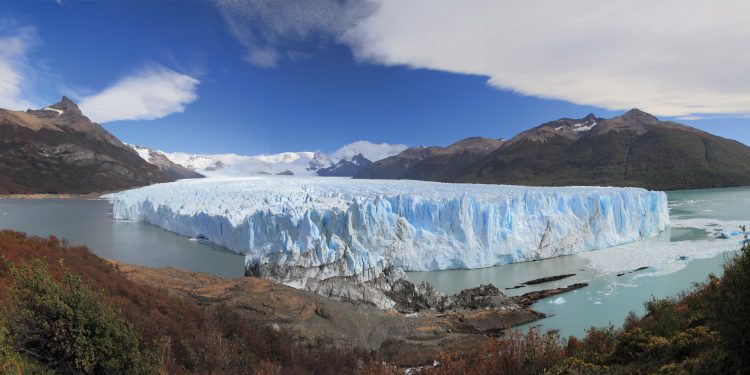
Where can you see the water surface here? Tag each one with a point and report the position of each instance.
(89, 222)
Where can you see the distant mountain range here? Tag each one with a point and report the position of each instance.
(634, 149)
(59, 150)
(345, 162)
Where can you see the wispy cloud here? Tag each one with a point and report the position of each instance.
(15, 73)
(669, 57)
(266, 27)
(146, 95)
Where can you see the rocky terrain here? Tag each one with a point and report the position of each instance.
(428, 324)
(58, 150)
(634, 149)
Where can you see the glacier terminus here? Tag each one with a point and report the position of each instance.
(305, 232)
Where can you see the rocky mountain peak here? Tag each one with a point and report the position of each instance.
(360, 159)
(64, 108)
(638, 116)
(67, 105)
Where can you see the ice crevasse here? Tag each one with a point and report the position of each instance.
(344, 227)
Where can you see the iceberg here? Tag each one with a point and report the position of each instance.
(296, 229)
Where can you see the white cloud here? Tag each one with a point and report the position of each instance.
(149, 94)
(14, 69)
(372, 151)
(668, 57)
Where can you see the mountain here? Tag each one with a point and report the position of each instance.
(286, 163)
(634, 149)
(432, 163)
(346, 168)
(344, 162)
(59, 150)
(166, 166)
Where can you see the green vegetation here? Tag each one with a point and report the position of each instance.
(54, 322)
(67, 327)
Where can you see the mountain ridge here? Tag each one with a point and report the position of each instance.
(633, 149)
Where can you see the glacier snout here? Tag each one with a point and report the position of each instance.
(298, 229)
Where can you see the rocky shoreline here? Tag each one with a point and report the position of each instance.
(422, 324)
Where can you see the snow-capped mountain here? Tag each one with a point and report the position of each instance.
(346, 167)
(346, 161)
(298, 163)
(166, 166)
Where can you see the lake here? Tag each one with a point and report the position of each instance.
(89, 222)
(690, 249)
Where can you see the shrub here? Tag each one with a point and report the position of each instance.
(575, 366)
(12, 362)
(65, 326)
(729, 309)
(515, 353)
(597, 345)
(694, 340)
(631, 321)
(709, 362)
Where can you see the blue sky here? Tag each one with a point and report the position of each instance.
(249, 78)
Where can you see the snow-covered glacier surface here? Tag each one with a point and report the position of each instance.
(330, 227)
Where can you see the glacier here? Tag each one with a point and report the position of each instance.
(297, 229)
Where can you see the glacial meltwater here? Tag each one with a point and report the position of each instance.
(704, 231)
(704, 225)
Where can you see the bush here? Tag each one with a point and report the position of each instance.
(515, 353)
(694, 340)
(575, 366)
(597, 345)
(730, 310)
(12, 362)
(65, 326)
(636, 343)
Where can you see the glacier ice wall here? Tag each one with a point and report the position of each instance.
(327, 227)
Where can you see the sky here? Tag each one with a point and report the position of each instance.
(267, 76)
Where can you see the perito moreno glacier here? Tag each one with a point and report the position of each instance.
(294, 229)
